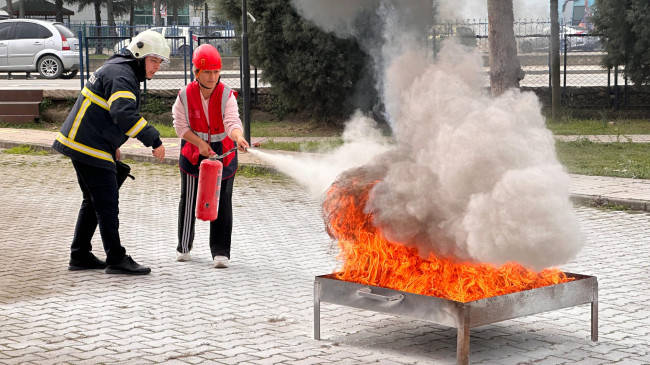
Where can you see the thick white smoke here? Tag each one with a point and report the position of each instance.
(470, 175)
(472, 9)
(361, 142)
(479, 178)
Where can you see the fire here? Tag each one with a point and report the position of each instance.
(368, 258)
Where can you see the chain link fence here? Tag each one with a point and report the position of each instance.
(585, 83)
(100, 43)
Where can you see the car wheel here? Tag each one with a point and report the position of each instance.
(526, 47)
(183, 51)
(50, 67)
(70, 74)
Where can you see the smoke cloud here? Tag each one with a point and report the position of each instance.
(472, 9)
(361, 142)
(468, 175)
(479, 179)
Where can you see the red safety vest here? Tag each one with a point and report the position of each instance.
(213, 133)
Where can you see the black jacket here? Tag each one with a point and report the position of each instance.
(106, 114)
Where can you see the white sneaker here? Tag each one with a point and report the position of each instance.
(183, 256)
(221, 262)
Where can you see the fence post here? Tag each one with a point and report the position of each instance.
(565, 66)
(81, 60)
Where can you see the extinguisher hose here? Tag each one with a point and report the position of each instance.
(219, 157)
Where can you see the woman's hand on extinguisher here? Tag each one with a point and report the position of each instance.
(237, 136)
(205, 149)
(159, 153)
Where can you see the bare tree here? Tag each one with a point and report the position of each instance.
(555, 58)
(110, 15)
(58, 4)
(158, 18)
(10, 9)
(21, 8)
(505, 69)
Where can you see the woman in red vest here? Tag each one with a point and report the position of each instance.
(206, 118)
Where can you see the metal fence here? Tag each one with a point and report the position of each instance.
(585, 83)
(97, 45)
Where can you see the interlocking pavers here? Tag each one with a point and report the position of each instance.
(260, 309)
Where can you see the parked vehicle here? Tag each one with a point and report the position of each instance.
(576, 39)
(465, 35)
(30, 45)
(221, 40)
(178, 38)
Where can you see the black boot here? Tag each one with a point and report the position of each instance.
(127, 266)
(89, 263)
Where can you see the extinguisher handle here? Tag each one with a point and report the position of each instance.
(218, 157)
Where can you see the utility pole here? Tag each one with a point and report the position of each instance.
(555, 59)
(246, 74)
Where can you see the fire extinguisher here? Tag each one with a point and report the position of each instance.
(207, 196)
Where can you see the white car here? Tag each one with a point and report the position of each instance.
(178, 38)
(221, 39)
(30, 45)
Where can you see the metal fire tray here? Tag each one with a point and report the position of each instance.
(462, 316)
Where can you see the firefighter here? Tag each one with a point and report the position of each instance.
(104, 116)
(206, 118)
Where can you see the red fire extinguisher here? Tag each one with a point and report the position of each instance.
(207, 197)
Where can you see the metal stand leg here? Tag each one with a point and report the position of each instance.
(462, 338)
(594, 314)
(316, 311)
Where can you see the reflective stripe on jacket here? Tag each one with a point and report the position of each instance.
(213, 133)
(106, 114)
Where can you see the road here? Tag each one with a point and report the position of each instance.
(163, 80)
(260, 310)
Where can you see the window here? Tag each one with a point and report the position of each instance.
(64, 30)
(31, 31)
(5, 28)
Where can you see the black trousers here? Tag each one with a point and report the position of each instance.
(100, 189)
(220, 228)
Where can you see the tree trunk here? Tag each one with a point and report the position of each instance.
(111, 18)
(157, 17)
(555, 59)
(505, 69)
(98, 22)
(21, 8)
(207, 20)
(10, 8)
(58, 4)
(131, 16)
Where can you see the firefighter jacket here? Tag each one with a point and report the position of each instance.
(106, 114)
(213, 133)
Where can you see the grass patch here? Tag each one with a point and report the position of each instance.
(312, 146)
(251, 171)
(26, 150)
(166, 131)
(582, 127)
(622, 159)
(273, 128)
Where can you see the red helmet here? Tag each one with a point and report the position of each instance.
(206, 57)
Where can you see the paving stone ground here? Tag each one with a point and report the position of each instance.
(260, 310)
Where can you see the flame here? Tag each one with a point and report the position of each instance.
(370, 259)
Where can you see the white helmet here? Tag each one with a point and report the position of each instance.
(149, 43)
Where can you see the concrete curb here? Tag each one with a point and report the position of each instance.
(172, 161)
(580, 199)
(603, 201)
